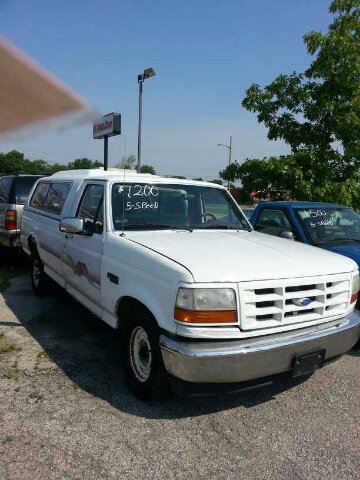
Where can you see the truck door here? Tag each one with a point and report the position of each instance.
(81, 254)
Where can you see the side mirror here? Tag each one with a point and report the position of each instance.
(287, 234)
(72, 225)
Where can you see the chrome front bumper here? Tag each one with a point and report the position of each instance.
(253, 358)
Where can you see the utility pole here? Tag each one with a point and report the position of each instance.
(230, 146)
(149, 72)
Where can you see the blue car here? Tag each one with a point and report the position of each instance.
(325, 225)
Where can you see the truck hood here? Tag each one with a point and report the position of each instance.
(233, 256)
(350, 250)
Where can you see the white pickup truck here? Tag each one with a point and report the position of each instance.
(205, 303)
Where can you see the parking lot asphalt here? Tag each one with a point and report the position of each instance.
(66, 413)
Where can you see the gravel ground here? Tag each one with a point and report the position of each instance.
(65, 411)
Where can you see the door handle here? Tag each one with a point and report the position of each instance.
(68, 235)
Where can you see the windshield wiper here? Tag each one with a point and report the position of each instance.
(144, 226)
(221, 227)
(339, 240)
(153, 226)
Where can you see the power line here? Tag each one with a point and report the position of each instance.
(196, 171)
(149, 148)
(146, 147)
(87, 139)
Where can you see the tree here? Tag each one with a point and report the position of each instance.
(12, 162)
(176, 176)
(317, 112)
(81, 163)
(292, 175)
(57, 167)
(128, 162)
(217, 181)
(15, 162)
(198, 179)
(36, 167)
(230, 172)
(147, 169)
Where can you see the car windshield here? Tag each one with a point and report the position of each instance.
(330, 225)
(140, 206)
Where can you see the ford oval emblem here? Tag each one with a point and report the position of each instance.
(302, 302)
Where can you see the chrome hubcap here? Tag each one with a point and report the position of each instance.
(140, 354)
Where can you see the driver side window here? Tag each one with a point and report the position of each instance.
(215, 207)
(272, 222)
(91, 209)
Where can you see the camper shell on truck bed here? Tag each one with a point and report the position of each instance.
(204, 302)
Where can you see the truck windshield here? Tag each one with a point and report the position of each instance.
(330, 225)
(137, 206)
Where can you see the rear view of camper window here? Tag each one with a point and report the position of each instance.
(39, 196)
(50, 197)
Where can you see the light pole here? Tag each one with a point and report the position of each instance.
(229, 147)
(149, 72)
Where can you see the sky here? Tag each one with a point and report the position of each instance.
(205, 55)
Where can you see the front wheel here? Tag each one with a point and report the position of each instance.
(39, 279)
(142, 360)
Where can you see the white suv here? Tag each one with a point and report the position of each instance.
(14, 190)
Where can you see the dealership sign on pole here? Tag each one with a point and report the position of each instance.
(105, 127)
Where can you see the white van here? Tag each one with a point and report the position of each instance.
(204, 302)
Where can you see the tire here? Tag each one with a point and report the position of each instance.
(39, 279)
(143, 364)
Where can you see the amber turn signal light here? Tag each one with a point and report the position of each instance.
(205, 316)
(354, 297)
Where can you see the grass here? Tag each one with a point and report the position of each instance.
(10, 348)
(43, 354)
(40, 355)
(8, 438)
(12, 374)
(2, 335)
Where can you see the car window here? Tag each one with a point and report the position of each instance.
(56, 197)
(273, 218)
(5, 186)
(247, 212)
(91, 208)
(215, 206)
(24, 185)
(39, 196)
(144, 206)
(328, 225)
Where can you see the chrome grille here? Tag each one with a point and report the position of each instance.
(272, 303)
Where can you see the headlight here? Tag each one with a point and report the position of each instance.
(206, 305)
(355, 288)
